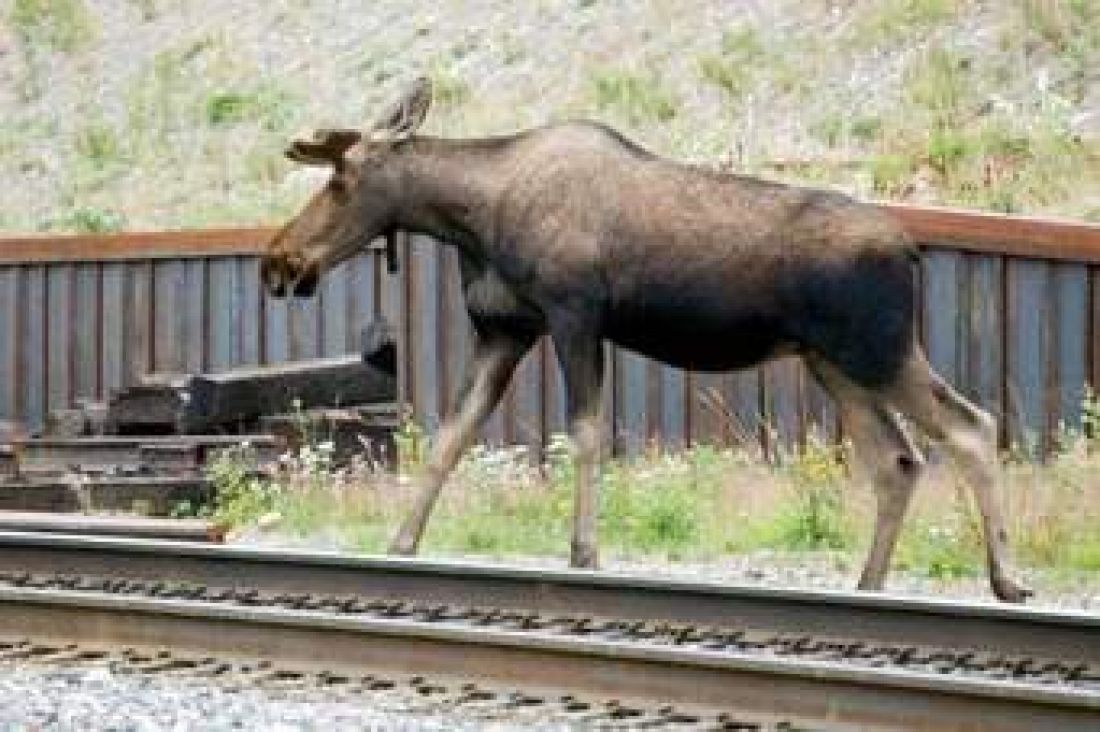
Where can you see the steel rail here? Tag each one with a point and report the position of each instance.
(802, 692)
(175, 529)
(878, 618)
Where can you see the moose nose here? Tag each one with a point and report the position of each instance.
(306, 283)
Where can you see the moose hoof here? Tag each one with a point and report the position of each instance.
(583, 558)
(1008, 590)
(870, 584)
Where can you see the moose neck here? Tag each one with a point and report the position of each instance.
(451, 188)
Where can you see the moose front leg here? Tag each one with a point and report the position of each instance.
(493, 362)
(581, 359)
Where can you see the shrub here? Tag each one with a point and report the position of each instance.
(87, 220)
(814, 516)
(240, 496)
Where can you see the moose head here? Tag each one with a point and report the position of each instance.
(356, 204)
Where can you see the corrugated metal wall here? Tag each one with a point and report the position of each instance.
(1020, 334)
(81, 329)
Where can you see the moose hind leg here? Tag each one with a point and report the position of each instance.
(581, 357)
(897, 466)
(494, 361)
(885, 456)
(970, 435)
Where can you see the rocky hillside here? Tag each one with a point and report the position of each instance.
(172, 113)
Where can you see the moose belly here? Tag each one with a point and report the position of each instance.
(691, 339)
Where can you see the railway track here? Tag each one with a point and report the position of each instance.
(810, 660)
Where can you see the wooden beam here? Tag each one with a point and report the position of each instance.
(976, 231)
(1021, 236)
(193, 404)
(134, 245)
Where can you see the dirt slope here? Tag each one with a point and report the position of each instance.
(170, 113)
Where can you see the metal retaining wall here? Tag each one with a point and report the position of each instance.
(1010, 314)
(81, 316)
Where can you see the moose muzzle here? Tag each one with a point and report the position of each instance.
(281, 276)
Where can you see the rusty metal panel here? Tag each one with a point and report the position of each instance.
(941, 277)
(554, 395)
(232, 312)
(168, 293)
(1027, 348)
(335, 328)
(87, 330)
(424, 315)
(250, 337)
(709, 423)
(1070, 334)
(744, 397)
(444, 285)
(456, 333)
(140, 320)
(673, 407)
(392, 299)
(112, 361)
(632, 384)
(194, 315)
(224, 313)
(981, 322)
(1093, 335)
(32, 344)
(782, 401)
(526, 402)
(607, 400)
(304, 327)
(82, 327)
(276, 346)
(10, 307)
(60, 309)
(363, 295)
(821, 420)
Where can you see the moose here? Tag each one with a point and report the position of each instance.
(573, 231)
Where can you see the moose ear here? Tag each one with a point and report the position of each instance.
(323, 147)
(404, 118)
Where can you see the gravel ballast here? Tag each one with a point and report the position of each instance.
(35, 697)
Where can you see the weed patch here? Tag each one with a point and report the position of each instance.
(60, 25)
(637, 98)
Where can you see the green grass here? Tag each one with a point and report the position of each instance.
(59, 25)
(449, 90)
(939, 82)
(892, 20)
(267, 107)
(702, 503)
(636, 98)
(733, 67)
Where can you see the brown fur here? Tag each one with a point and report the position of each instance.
(574, 231)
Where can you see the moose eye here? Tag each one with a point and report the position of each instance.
(338, 187)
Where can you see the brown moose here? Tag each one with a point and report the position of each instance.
(571, 230)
